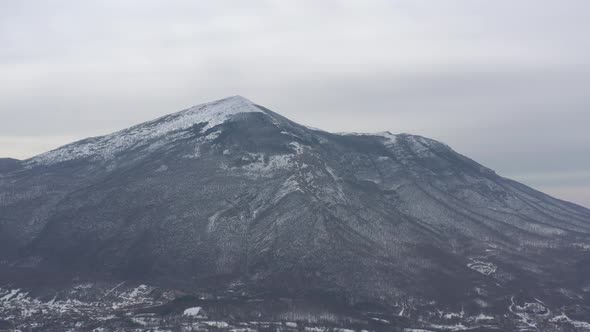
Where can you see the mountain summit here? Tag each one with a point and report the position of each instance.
(102, 148)
(229, 195)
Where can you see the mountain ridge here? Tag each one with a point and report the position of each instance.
(211, 113)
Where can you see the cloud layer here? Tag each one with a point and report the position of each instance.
(503, 82)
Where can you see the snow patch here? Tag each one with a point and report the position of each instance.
(10, 296)
(582, 246)
(291, 185)
(563, 318)
(391, 139)
(456, 327)
(274, 163)
(485, 268)
(193, 312)
(298, 147)
(217, 324)
(529, 312)
(481, 317)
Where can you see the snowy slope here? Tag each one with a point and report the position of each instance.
(166, 127)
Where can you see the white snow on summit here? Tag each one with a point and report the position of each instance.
(167, 127)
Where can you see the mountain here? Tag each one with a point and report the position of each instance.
(231, 197)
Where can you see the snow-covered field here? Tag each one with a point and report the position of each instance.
(121, 307)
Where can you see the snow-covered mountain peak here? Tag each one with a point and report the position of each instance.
(169, 126)
(213, 113)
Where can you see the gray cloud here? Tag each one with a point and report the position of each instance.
(504, 82)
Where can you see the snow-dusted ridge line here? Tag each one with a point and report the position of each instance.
(417, 142)
(169, 127)
(104, 147)
(354, 133)
(391, 139)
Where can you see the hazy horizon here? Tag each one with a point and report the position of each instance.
(503, 83)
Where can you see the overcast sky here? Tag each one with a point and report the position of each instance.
(504, 82)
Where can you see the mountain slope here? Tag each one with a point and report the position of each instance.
(232, 195)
